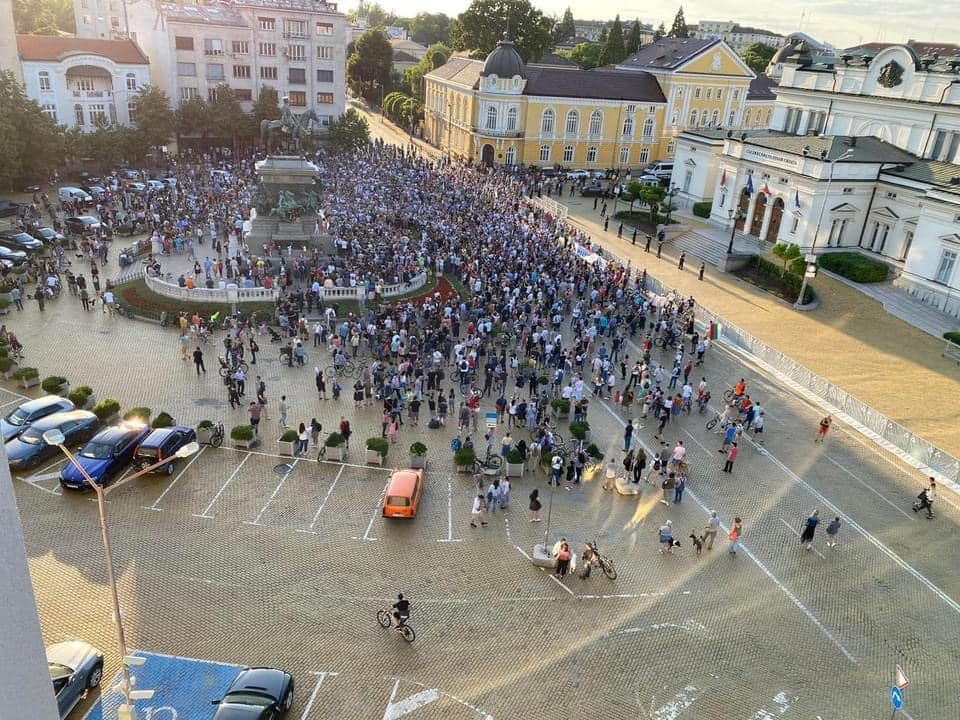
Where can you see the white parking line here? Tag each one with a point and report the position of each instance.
(322, 462)
(174, 481)
(450, 538)
(376, 512)
(794, 531)
(321, 676)
(272, 496)
(220, 492)
(868, 487)
(326, 497)
(55, 491)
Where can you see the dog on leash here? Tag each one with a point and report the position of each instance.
(697, 543)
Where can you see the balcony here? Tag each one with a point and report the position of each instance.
(296, 35)
(92, 93)
(498, 132)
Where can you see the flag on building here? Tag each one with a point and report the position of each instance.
(723, 179)
(749, 184)
(766, 189)
(796, 199)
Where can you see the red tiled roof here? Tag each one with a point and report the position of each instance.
(52, 47)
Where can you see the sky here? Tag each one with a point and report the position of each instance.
(842, 23)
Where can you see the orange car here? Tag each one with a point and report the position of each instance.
(403, 493)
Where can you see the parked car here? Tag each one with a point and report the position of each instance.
(170, 181)
(256, 694)
(81, 225)
(105, 456)
(577, 174)
(75, 668)
(663, 169)
(31, 411)
(74, 194)
(595, 191)
(8, 208)
(48, 235)
(136, 187)
(128, 174)
(28, 449)
(404, 491)
(163, 443)
(10, 257)
(20, 240)
(97, 191)
(156, 185)
(221, 175)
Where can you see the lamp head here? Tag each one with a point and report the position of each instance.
(54, 437)
(187, 450)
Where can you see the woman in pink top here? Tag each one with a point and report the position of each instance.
(731, 458)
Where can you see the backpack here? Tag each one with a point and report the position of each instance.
(433, 424)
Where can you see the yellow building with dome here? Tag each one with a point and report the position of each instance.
(505, 112)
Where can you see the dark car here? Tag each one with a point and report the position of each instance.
(31, 411)
(28, 449)
(48, 235)
(595, 191)
(14, 257)
(105, 456)
(20, 240)
(161, 444)
(75, 668)
(8, 208)
(256, 694)
(82, 225)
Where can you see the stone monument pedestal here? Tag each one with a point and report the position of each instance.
(291, 175)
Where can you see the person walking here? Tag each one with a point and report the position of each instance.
(535, 505)
(627, 436)
(639, 465)
(665, 535)
(255, 412)
(668, 486)
(198, 361)
(833, 529)
(476, 512)
(315, 430)
(254, 349)
(710, 529)
(17, 296)
(731, 458)
(809, 529)
(683, 259)
(736, 533)
(925, 499)
(678, 488)
(184, 346)
(284, 409)
(824, 426)
(321, 382)
(303, 440)
(563, 560)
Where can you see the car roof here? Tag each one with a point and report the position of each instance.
(58, 418)
(43, 402)
(159, 435)
(402, 482)
(116, 433)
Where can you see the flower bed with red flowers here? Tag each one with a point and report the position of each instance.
(136, 297)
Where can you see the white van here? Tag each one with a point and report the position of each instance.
(68, 194)
(662, 169)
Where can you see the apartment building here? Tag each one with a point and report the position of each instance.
(739, 37)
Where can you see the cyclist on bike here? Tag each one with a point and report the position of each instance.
(401, 610)
(740, 389)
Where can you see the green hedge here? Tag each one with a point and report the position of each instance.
(854, 266)
(637, 216)
(793, 280)
(702, 209)
(953, 336)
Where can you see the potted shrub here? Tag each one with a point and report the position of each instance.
(593, 452)
(561, 408)
(288, 442)
(580, 430)
(204, 432)
(418, 455)
(107, 410)
(336, 447)
(4, 304)
(82, 397)
(55, 385)
(515, 464)
(377, 450)
(542, 380)
(138, 414)
(243, 436)
(163, 420)
(28, 377)
(5, 290)
(8, 367)
(464, 459)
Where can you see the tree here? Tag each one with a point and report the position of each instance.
(758, 56)
(267, 106)
(602, 38)
(587, 55)
(481, 26)
(660, 32)
(786, 252)
(436, 55)
(155, 118)
(32, 143)
(191, 117)
(631, 193)
(679, 27)
(566, 28)
(614, 52)
(634, 38)
(368, 68)
(430, 28)
(43, 17)
(349, 132)
(224, 117)
(652, 195)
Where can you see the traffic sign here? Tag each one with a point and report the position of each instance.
(491, 418)
(896, 697)
(902, 680)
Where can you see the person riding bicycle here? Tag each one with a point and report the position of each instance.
(745, 404)
(740, 389)
(401, 610)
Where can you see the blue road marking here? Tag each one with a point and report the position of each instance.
(183, 688)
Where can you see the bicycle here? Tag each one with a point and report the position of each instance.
(291, 358)
(386, 619)
(712, 422)
(600, 560)
(228, 370)
(491, 462)
(349, 369)
(216, 435)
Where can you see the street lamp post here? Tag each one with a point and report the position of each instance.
(733, 227)
(57, 439)
(816, 232)
(670, 194)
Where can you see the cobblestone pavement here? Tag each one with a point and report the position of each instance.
(229, 561)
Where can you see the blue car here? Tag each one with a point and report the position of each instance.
(105, 456)
(161, 444)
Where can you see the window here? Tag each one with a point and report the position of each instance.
(794, 225)
(678, 93)
(267, 24)
(183, 43)
(85, 4)
(511, 120)
(723, 197)
(186, 69)
(268, 49)
(670, 148)
(243, 94)
(648, 128)
(573, 122)
(324, 28)
(847, 191)
(114, 22)
(592, 154)
(704, 119)
(212, 46)
(596, 123)
(687, 179)
(510, 157)
(628, 126)
(268, 73)
(736, 94)
(545, 153)
(324, 98)
(907, 242)
(86, 21)
(719, 93)
(98, 114)
(546, 123)
(186, 93)
(85, 84)
(297, 76)
(746, 118)
(696, 93)
(240, 47)
(630, 108)
(215, 72)
(50, 111)
(694, 116)
(44, 80)
(715, 118)
(241, 72)
(324, 75)
(892, 195)
(211, 94)
(131, 81)
(675, 119)
(731, 118)
(324, 52)
(78, 114)
(491, 117)
(709, 93)
(644, 155)
(295, 28)
(945, 269)
(568, 153)
(624, 155)
(296, 52)
(132, 111)
(298, 98)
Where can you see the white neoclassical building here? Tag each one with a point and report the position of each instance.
(864, 154)
(81, 82)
